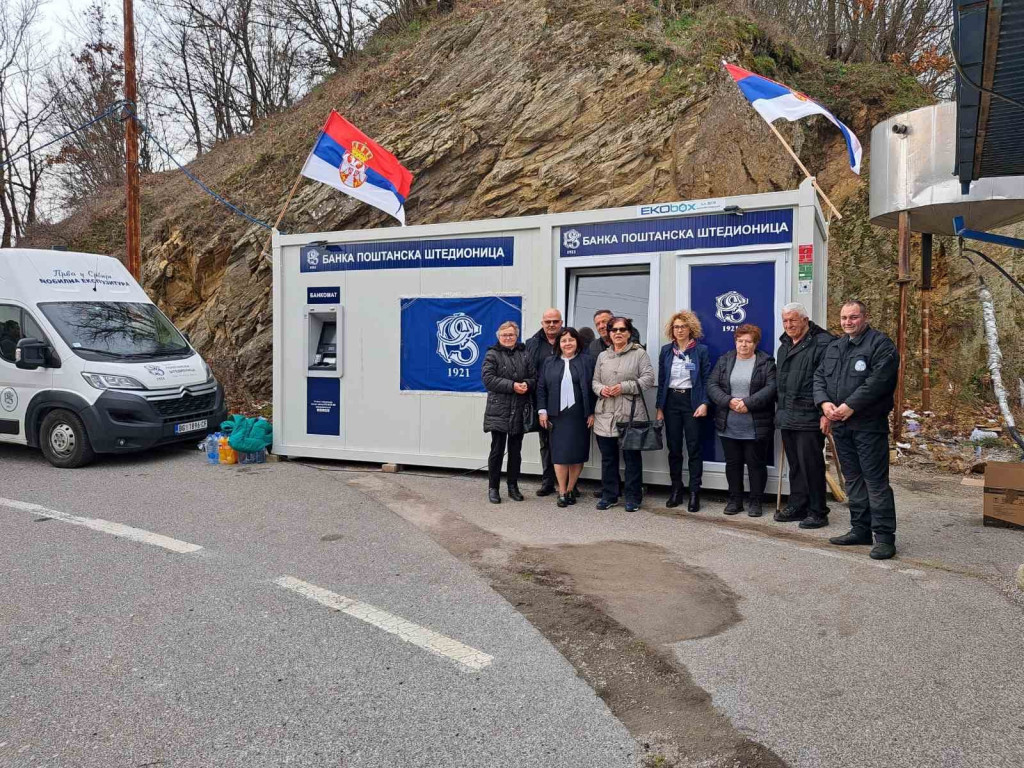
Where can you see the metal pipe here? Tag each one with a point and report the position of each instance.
(926, 313)
(901, 335)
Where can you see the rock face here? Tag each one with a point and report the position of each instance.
(501, 108)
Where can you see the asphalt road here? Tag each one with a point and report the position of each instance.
(116, 652)
(836, 660)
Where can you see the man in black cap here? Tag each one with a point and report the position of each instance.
(802, 346)
(854, 387)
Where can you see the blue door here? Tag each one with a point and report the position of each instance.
(725, 296)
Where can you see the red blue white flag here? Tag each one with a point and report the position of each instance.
(773, 100)
(348, 160)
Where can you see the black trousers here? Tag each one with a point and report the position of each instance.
(754, 455)
(864, 457)
(515, 457)
(682, 428)
(609, 447)
(545, 459)
(805, 454)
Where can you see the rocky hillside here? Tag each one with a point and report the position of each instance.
(510, 107)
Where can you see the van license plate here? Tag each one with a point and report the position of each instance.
(189, 426)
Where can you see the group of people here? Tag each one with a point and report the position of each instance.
(564, 387)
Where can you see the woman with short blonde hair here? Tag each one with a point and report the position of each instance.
(683, 368)
(687, 318)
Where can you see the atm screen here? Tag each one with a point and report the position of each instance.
(327, 348)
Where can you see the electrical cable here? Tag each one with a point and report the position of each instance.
(110, 110)
(988, 259)
(969, 81)
(145, 130)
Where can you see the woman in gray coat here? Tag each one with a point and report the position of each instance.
(510, 379)
(623, 372)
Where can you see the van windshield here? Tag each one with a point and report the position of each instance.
(107, 330)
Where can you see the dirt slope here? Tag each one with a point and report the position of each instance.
(501, 108)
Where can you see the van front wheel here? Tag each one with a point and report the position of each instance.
(64, 441)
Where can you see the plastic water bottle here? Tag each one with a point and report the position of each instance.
(213, 448)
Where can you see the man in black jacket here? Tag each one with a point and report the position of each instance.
(802, 346)
(540, 347)
(602, 341)
(854, 385)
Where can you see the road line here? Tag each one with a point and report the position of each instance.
(105, 526)
(419, 636)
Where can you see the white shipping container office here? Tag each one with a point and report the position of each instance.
(379, 334)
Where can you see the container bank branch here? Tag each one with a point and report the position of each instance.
(379, 334)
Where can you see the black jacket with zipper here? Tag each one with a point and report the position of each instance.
(796, 367)
(862, 373)
(761, 400)
(506, 411)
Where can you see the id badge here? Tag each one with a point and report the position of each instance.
(689, 366)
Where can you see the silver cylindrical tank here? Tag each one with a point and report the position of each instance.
(912, 164)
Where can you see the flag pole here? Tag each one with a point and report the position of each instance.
(804, 169)
(284, 208)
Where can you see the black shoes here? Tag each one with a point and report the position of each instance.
(853, 538)
(563, 501)
(514, 493)
(694, 505)
(632, 507)
(604, 504)
(882, 550)
(814, 521)
(754, 508)
(675, 498)
(492, 496)
(572, 496)
(735, 505)
(545, 490)
(790, 515)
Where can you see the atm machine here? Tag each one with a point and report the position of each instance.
(324, 360)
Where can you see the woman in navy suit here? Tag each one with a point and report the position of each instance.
(683, 369)
(565, 405)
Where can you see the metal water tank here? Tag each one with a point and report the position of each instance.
(912, 169)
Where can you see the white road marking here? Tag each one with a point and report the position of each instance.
(419, 636)
(105, 526)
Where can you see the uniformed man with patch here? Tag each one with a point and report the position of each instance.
(854, 387)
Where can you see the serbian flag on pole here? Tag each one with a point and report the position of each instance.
(773, 100)
(348, 160)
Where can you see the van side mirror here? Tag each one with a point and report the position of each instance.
(31, 354)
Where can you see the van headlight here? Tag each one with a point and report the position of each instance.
(111, 381)
(209, 370)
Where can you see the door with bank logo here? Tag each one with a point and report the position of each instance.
(724, 293)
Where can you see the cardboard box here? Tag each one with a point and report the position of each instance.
(1004, 494)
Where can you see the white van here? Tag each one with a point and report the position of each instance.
(88, 364)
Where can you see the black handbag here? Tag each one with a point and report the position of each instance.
(640, 435)
(530, 421)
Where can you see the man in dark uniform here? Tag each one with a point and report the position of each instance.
(540, 347)
(802, 346)
(853, 386)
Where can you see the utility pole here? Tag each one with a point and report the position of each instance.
(133, 225)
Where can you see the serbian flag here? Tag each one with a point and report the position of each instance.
(773, 100)
(348, 160)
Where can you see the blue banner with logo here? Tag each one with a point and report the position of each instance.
(323, 406)
(408, 254)
(723, 230)
(444, 340)
(725, 296)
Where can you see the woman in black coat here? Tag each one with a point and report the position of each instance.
(565, 405)
(510, 379)
(743, 387)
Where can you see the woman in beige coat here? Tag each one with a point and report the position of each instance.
(623, 372)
